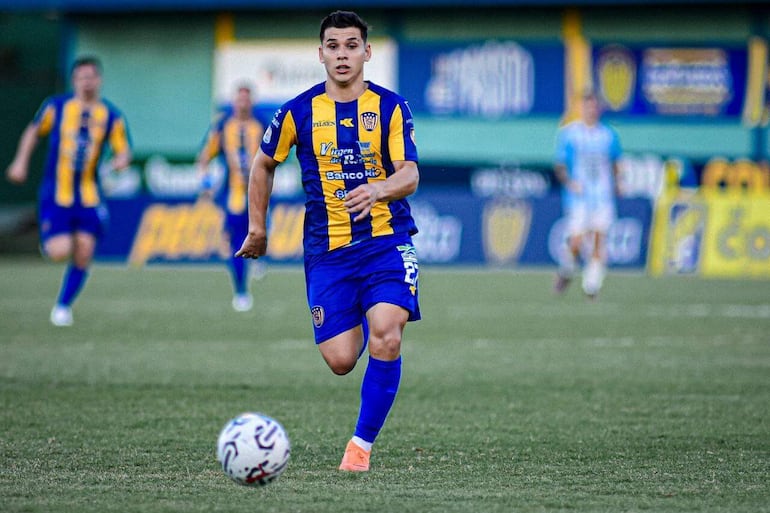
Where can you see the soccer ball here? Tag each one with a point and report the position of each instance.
(253, 449)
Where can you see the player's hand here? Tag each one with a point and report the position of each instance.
(120, 162)
(206, 189)
(205, 195)
(254, 246)
(361, 200)
(575, 187)
(16, 173)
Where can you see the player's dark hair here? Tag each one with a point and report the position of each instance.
(87, 60)
(244, 86)
(344, 19)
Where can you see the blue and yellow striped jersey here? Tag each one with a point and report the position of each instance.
(340, 146)
(77, 138)
(236, 142)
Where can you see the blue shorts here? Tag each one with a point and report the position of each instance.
(237, 226)
(56, 220)
(346, 282)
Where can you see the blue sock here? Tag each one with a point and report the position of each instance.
(72, 284)
(378, 391)
(238, 270)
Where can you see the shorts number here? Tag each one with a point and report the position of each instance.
(412, 270)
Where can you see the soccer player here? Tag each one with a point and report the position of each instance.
(235, 137)
(72, 217)
(355, 144)
(587, 153)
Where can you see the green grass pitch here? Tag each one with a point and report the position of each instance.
(654, 398)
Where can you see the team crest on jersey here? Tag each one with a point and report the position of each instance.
(369, 120)
(268, 135)
(318, 316)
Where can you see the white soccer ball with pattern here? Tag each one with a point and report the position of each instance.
(253, 449)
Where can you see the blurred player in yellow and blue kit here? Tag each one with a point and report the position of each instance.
(72, 217)
(355, 145)
(235, 138)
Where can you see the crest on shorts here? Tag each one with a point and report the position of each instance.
(369, 120)
(318, 316)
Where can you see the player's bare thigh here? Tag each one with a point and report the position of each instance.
(341, 351)
(79, 246)
(386, 326)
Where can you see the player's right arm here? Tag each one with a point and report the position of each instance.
(211, 148)
(19, 168)
(564, 155)
(260, 188)
(40, 126)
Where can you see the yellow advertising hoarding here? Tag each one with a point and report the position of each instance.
(713, 234)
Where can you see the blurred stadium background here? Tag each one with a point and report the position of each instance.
(685, 84)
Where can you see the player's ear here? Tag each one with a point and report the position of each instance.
(368, 52)
(320, 54)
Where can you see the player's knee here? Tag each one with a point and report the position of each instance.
(56, 253)
(81, 260)
(340, 366)
(385, 346)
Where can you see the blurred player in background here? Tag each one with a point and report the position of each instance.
(235, 138)
(355, 145)
(79, 126)
(587, 153)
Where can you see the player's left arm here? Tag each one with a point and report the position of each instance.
(120, 144)
(615, 153)
(403, 181)
(616, 173)
(399, 185)
(212, 146)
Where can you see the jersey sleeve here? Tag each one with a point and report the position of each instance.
(401, 139)
(562, 155)
(280, 135)
(615, 148)
(45, 118)
(212, 143)
(120, 141)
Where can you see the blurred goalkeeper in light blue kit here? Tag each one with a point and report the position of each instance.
(71, 215)
(235, 138)
(355, 145)
(586, 164)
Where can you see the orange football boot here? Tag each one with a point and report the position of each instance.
(356, 459)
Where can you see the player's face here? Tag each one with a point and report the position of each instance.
(242, 101)
(343, 54)
(590, 110)
(86, 81)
